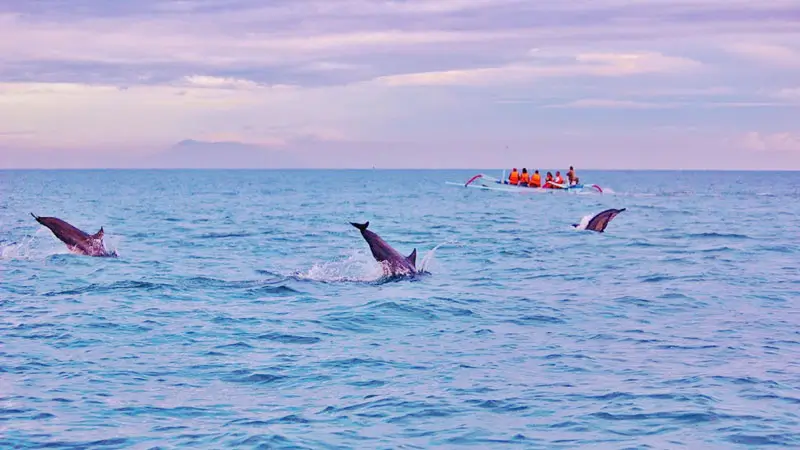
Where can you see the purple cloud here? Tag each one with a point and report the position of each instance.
(362, 74)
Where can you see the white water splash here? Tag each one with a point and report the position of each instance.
(358, 267)
(28, 248)
(16, 250)
(584, 222)
(429, 259)
(111, 243)
(43, 244)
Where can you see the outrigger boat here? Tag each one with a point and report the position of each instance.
(487, 182)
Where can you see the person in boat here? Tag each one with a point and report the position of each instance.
(559, 180)
(548, 180)
(513, 177)
(525, 178)
(536, 180)
(573, 179)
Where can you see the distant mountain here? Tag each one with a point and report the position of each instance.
(193, 154)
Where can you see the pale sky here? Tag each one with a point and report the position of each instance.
(422, 83)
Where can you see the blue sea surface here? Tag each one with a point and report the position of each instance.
(245, 311)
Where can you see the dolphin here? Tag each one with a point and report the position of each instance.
(600, 221)
(77, 241)
(393, 262)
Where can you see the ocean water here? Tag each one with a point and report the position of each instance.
(245, 312)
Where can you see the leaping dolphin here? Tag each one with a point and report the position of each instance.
(600, 221)
(393, 262)
(77, 241)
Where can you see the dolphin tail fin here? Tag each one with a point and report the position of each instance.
(360, 226)
(99, 235)
(412, 258)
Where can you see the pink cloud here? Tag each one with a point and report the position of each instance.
(772, 142)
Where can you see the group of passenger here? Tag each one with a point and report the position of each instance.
(535, 180)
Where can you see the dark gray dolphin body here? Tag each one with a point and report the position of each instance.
(600, 221)
(77, 241)
(394, 263)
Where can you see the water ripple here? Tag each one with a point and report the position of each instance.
(245, 312)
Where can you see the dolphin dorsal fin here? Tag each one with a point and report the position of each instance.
(99, 234)
(412, 258)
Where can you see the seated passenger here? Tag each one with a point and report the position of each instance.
(548, 180)
(536, 180)
(513, 178)
(524, 178)
(559, 180)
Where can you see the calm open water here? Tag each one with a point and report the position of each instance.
(245, 312)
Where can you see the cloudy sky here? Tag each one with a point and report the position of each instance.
(402, 83)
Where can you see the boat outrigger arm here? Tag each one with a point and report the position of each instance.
(473, 179)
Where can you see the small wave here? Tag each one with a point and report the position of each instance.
(226, 235)
(690, 417)
(252, 288)
(424, 414)
(713, 235)
(644, 244)
(405, 310)
(347, 322)
(663, 278)
(778, 248)
(119, 285)
(367, 383)
(357, 364)
(214, 283)
(754, 440)
(289, 338)
(686, 347)
(693, 398)
(507, 405)
(536, 320)
(290, 419)
(760, 397)
(181, 412)
(262, 291)
(111, 443)
(724, 249)
(253, 378)
(236, 345)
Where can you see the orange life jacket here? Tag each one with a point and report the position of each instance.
(559, 180)
(536, 180)
(524, 178)
(513, 178)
